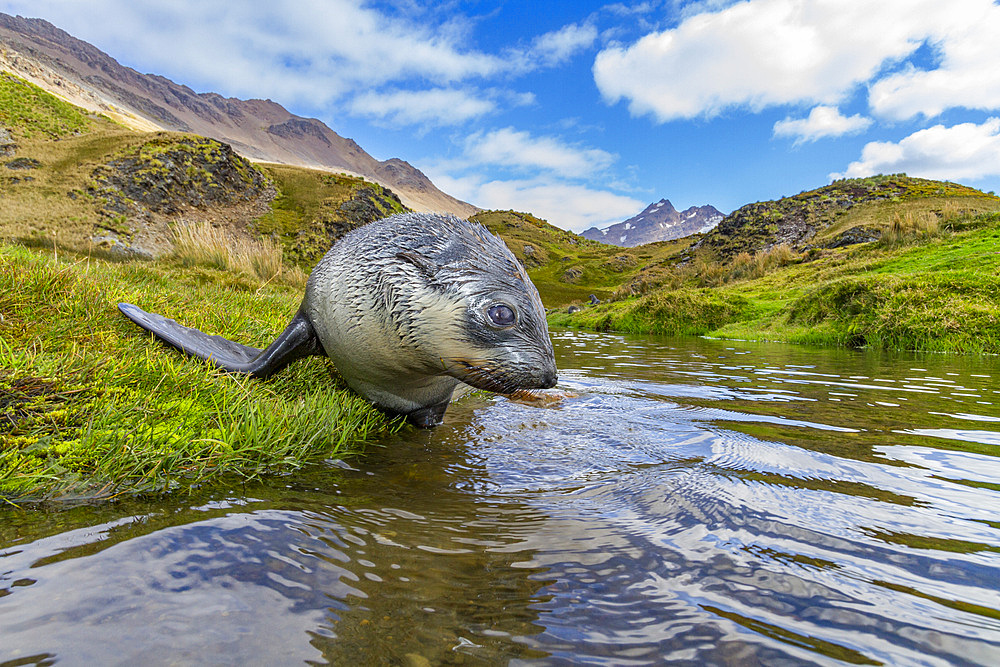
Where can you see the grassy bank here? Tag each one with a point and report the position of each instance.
(91, 407)
(922, 287)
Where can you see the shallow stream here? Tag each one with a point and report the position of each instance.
(695, 501)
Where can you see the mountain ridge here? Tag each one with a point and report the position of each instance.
(260, 130)
(659, 221)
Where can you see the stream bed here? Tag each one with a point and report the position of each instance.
(689, 501)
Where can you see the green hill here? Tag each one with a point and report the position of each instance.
(84, 184)
(567, 268)
(842, 213)
(887, 262)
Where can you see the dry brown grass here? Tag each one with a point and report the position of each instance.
(908, 226)
(749, 267)
(201, 243)
(54, 204)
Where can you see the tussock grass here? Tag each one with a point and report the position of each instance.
(92, 406)
(204, 244)
(746, 266)
(691, 311)
(909, 227)
(702, 271)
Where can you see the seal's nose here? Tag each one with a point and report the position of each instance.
(549, 379)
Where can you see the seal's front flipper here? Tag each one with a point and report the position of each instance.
(297, 340)
(430, 416)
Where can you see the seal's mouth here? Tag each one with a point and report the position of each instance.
(488, 375)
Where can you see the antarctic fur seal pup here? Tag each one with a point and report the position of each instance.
(407, 307)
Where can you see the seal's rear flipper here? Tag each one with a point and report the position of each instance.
(297, 340)
(190, 341)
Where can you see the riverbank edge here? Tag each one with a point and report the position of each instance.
(92, 407)
(932, 295)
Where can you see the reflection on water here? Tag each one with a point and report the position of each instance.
(704, 502)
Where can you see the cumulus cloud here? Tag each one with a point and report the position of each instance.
(964, 151)
(567, 205)
(416, 62)
(822, 121)
(773, 52)
(294, 51)
(553, 179)
(966, 74)
(428, 108)
(558, 46)
(520, 150)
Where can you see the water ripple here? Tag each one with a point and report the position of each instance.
(690, 501)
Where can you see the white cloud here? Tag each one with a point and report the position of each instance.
(770, 52)
(964, 151)
(629, 10)
(822, 121)
(414, 67)
(967, 73)
(429, 108)
(553, 183)
(558, 46)
(566, 205)
(289, 50)
(520, 150)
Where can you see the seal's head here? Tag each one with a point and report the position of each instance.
(477, 312)
(409, 306)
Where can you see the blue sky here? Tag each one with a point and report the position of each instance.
(584, 112)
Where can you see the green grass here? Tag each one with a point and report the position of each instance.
(90, 406)
(313, 208)
(938, 294)
(31, 112)
(567, 268)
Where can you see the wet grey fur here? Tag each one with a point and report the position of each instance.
(402, 306)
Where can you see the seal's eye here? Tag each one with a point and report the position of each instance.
(501, 315)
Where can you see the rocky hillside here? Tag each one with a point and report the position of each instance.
(846, 212)
(75, 181)
(660, 221)
(257, 129)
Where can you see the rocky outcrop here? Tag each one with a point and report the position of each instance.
(7, 145)
(796, 221)
(169, 179)
(167, 175)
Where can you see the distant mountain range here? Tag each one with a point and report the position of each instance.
(263, 130)
(660, 221)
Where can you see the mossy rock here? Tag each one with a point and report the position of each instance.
(572, 274)
(620, 263)
(168, 173)
(23, 163)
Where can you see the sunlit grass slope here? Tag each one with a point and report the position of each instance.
(91, 406)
